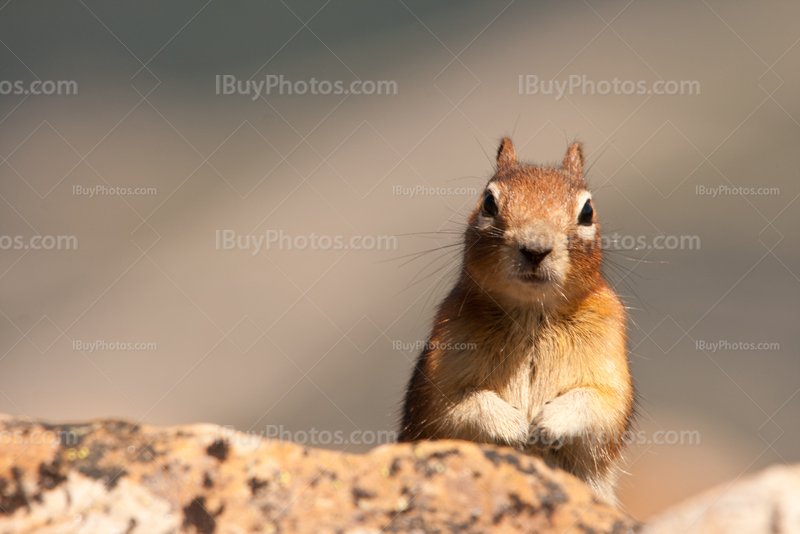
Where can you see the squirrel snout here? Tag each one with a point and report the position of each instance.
(534, 256)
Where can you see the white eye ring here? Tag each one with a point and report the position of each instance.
(581, 202)
(586, 232)
(492, 190)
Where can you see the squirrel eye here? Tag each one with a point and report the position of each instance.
(489, 205)
(587, 214)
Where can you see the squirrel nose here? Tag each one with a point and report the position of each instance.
(535, 257)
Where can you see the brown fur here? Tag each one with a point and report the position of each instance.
(545, 367)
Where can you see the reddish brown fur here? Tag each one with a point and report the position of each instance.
(548, 358)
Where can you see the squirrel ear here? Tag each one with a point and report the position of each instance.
(506, 155)
(573, 161)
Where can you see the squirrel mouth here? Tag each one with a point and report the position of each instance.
(532, 278)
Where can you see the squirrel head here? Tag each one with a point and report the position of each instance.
(534, 235)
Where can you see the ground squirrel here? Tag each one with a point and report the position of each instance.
(529, 347)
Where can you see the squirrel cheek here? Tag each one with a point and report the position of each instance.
(587, 233)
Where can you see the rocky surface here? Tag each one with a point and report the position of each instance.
(768, 503)
(114, 477)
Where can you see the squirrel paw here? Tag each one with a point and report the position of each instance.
(559, 421)
(517, 428)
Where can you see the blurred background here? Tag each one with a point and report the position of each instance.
(150, 167)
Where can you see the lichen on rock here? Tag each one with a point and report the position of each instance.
(116, 477)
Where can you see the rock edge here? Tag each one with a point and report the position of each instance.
(117, 477)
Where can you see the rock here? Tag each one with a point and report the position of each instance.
(116, 477)
(768, 503)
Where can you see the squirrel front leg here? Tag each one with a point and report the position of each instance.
(481, 415)
(588, 414)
